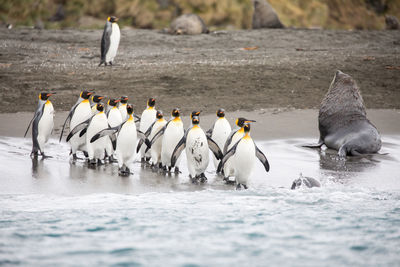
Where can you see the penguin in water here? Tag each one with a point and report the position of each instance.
(81, 113)
(127, 134)
(171, 134)
(146, 120)
(244, 153)
(220, 131)
(230, 141)
(92, 126)
(114, 120)
(110, 41)
(197, 144)
(94, 101)
(42, 124)
(122, 107)
(157, 145)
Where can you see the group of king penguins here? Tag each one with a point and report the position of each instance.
(109, 133)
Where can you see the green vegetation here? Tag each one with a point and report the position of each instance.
(218, 14)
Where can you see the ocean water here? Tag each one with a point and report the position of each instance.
(54, 212)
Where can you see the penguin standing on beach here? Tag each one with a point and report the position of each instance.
(157, 145)
(230, 141)
(243, 154)
(90, 127)
(126, 141)
(197, 144)
(220, 131)
(42, 124)
(114, 120)
(110, 41)
(122, 107)
(146, 120)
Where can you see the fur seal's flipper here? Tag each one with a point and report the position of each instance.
(317, 145)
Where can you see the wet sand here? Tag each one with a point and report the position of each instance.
(279, 133)
(289, 68)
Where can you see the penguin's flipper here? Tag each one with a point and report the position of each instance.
(262, 158)
(142, 137)
(35, 130)
(227, 155)
(69, 117)
(105, 43)
(147, 133)
(78, 128)
(108, 131)
(214, 148)
(178, 150)
(229, 141)
(30, 123)
(157, 135)
(136, 116)
(209, 132)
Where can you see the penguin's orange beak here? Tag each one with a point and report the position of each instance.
(101, 97)
(116, 101)
(50, 94)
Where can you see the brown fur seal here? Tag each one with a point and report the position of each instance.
(343, 124)
(188, 24)
(392, 23)
(264, 16)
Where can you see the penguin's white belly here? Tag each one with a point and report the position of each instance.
(228, 168)
(96, 149)
(172, 135)
(126, 143)
(148, 117)
(221, 132)
(82, 113)
(123, 111)
(114, 43)
(243, 160)
(45, 125)
(114, 117)
(94, 110)
(156, 147)
(196, 151)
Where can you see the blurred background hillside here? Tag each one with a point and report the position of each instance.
(218, 14)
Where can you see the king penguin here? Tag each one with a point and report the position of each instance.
(114, 120)
(197, 144)
(127, 134)
(95, 100)
(157, 145)
(146, 120)
(110, 41)
(81, 113)
(122, 107)
(42, 124)
(220, 131)
(230, 141)
(244, 153)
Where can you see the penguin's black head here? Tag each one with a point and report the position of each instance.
(112, 19)
(221, 113)
(195, 113)
(129, 109)
(159, 114)
(97, 98)
(151, 102)
(113, 102)
(45, 96)
(241, 121)
(246, 127)
(86, 94)
(176, 112)
(195, 120)
(124, 99)
(100, 107)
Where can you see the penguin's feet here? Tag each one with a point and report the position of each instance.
(111, 159)
(142, 160)
(177, 171)
(238, 187)
(34, 155)
(124, 171)
(203, 178)
(45, 156)
(86, 154)
(99, 162)
(194, 180)
(75, 157)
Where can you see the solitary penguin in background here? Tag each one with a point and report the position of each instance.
(92, 126)
(42, 124)
(110, 41)
(220, 131)
(230, 141)
(126, 141)
(81, 113)
(244, 153)
(170, 134)
(146, 120)
(95, 100)
(197, 144)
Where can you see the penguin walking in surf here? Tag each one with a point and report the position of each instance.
(110, 41)
(42, 124)
(220, 132)
(146, 120)
(197, 144)
(127, 135)
(235, 135)
(90, 127)
(244, 153)
(170, 135)
(157, 145)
